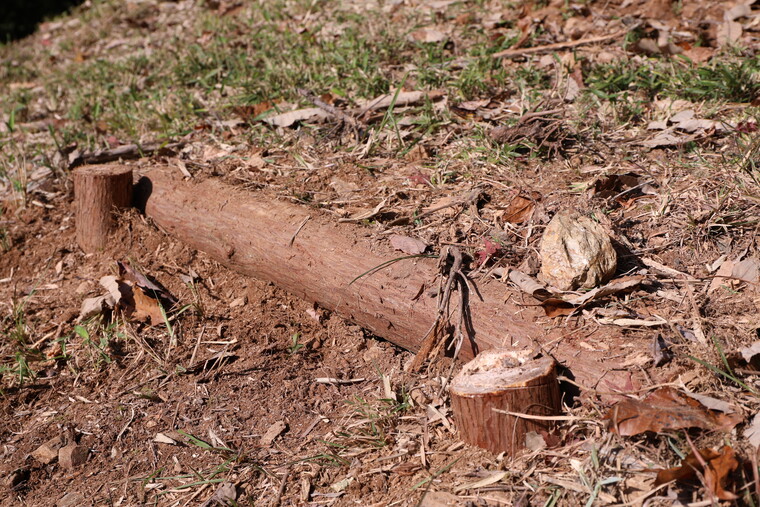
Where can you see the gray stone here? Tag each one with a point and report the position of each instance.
(72, 500)
(576, 253)
(48, 452)
(73, 455)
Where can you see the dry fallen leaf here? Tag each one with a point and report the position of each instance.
(410, 246)
(615, 286)
(299, 115)
(133, 298)
(251, 112)
(562, 305)
(402, 99)
(130, 274)
(752, 432)
(114, 287)
(611, 185)
(747, 270)
(521, 207)
(750, 352)
(428, 35)
(728, 33)
(721, 277)
(146, 307)
(720, 465)
(699, 54)
(226, 494)
(529, 285)
(274, 431)
(92, 307)
(666, 409)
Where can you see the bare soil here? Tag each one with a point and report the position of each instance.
(295, 406)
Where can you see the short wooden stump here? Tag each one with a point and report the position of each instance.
(499, 379)
(98, 191)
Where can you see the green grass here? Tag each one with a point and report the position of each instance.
(15, 366)
(724, 79)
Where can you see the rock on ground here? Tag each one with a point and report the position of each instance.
(576, 253)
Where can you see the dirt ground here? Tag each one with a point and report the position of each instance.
(251, 388)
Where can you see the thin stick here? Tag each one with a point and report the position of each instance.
(350, 120)
(281, 491)
(697, 318)
(120, 152)
(131, 418)
(197, 344)
(300, 226)
(507, 53)
(702, 476)
(543, 417)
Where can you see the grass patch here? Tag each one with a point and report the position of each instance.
(730, 80)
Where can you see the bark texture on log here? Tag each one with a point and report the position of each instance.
(98, 190)
(496, 380)
(254, 234)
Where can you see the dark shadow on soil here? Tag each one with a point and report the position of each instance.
(19, 18)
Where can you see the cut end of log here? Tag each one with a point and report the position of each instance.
(98, 191)
(510, 382)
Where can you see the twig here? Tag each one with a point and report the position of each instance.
(696, 316)
(358, 126)
(131, 418)
(702, 476)
(195, 495)
(126, 151)
(521, 415)
(197, 344)
(538, 115)
(507, 53)
(470, 198)
(281, 491)
(176, 414)
(454, 276)
(300, 226)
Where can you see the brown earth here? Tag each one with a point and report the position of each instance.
(296, 406)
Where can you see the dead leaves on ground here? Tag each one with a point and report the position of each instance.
(536, 129)
(558, 303)
(520, 208)
(666, 409)
(737, 273)
(410, 246)
(133, 295)
(684, 127)
(287, 115)
(714, 467)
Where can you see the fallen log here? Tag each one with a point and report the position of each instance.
(308, 253)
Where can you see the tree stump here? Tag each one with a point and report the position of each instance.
(497, 379)
(98, 190)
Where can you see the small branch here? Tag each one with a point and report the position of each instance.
(300, 226)
(121, 152)
(508, 53)
(349, 120)
(444, 296)
(281, 491)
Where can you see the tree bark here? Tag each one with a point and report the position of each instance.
(307, 253)
(98, 190)
(495, 380)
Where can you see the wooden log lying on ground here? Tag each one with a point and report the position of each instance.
(309, 254)
(99, 189)
(497, 382)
